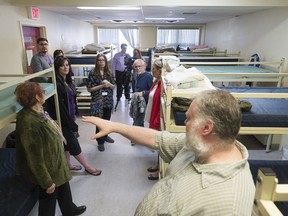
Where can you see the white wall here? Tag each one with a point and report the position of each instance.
(75, 34)
(265, 33)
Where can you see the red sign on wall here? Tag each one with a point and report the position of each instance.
(34, 13)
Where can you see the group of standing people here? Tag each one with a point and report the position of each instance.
(207, 164)
(49, 168)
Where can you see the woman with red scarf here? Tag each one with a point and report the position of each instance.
(152, 114)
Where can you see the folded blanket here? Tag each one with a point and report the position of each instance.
(94, 47)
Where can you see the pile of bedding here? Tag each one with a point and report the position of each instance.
(93, 48)
(182, 78)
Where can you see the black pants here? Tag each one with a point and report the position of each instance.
(106, 115)
(73, 145)
(47, 202)
(122, 81)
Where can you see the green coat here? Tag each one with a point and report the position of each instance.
(39, 150)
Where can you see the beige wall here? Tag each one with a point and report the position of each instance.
(147, 36)
(264, 33)
(74, 35)
(62, 32)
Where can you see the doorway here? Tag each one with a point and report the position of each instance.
(30, 34)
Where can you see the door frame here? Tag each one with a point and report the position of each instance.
(43, 33)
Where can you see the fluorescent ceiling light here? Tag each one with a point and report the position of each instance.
(168, 18)
(109, 8)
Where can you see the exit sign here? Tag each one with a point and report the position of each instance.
(34, 13)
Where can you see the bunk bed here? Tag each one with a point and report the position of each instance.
(267, 116)
(17, 196)
(81, 65)
(211, 55)
(174, 121)
(241, 70)
(80, 59)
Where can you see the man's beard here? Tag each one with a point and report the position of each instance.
(194, 142)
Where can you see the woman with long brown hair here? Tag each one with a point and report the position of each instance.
(101, 84)
(67, 105)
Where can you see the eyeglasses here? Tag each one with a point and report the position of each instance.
(138, 66)
(43, 44)
(99, 60)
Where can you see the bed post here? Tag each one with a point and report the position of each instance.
(56, 102)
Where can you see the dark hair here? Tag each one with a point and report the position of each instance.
(57, 53)
(41, 39)
(123, 45)
(58, 62)
(138, 54)
(26, 93)
(107, 72)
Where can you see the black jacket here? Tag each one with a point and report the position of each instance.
(67, 121)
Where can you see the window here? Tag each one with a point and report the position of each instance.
(176, 36)
(116, 36)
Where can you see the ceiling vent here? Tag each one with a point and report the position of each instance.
(127, 21)
(117, 21)
(171, 21)
(189, 13)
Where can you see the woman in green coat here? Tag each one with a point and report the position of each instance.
(39, 152)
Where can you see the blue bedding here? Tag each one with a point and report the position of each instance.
(17, 195)
(265, 112)
(82, 59)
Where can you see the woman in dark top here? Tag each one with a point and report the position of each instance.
(39, 153)
(101, 84)
(67, 105)
(60, 52)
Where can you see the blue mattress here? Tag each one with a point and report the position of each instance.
(9, 106)
(17, 195)
(265, 112)
(82, 59)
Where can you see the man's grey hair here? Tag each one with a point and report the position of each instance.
(140, 61)
(222, 109)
